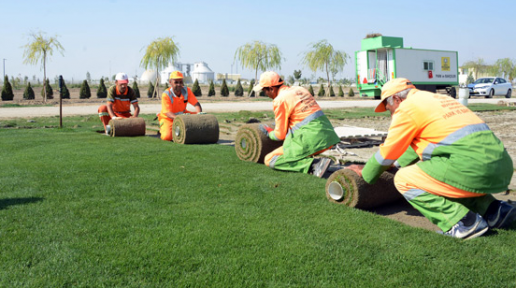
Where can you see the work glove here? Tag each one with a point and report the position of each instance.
(265, 129)
(115, 118)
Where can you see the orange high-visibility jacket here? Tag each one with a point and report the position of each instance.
(177, 105)
(291, 106)
(454, 145)
(121, 102)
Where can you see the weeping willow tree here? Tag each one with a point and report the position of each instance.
(40, 49)
(158, 54)
(259, 55)
(322, 56)
(506, 68)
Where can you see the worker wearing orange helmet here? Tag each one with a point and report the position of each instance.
(460, 162)
(301, 123)
(173, 103)
(119, 100)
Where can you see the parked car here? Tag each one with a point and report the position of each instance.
(490, 86)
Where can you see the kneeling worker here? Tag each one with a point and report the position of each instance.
(302, 125)
(119, 100)
(460, 161)
(173, 103)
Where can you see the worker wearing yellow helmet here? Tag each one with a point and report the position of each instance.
(173, 103)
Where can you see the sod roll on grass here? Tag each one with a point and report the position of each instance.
(195, 129)
(344, 186)
(252, 145)
(127, 127)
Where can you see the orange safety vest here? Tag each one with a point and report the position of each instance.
(177, 105)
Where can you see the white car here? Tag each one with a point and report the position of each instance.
(490, 86)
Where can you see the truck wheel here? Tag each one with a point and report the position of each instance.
(491, 93)
(453, 92)
(509, 94)
(377, 97)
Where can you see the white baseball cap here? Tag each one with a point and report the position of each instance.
(121, 78)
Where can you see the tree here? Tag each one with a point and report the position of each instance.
(136, 89)
(351, 93)
(341, 93)
(39, 49)
(321, 91)
(158, 55)
(224, 91)
(478, 66)
(211, 91)
(250, 91)
(332, 93)
(239, 90)
(28, 94)
(196, 89)
(65, 93)
(150, 92)
(85, 92)
(470, 78)
(48, 89)
(102, 91)
(259, 55)
(505, 67)
(290, 79)
(7, 90)
(323, 57)
(297, 74)
(311, 90)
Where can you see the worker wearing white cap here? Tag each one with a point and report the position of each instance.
(460, 162)
(119, 99)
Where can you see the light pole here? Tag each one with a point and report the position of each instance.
(4, 67)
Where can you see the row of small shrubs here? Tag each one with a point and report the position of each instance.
(85, 91)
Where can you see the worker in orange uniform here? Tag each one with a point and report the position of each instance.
(119, 100)
(460, 162)
(173, 103)
(302, 125)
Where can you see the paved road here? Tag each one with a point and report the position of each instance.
(26, 112)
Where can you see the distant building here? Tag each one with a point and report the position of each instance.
(148, 76)
(202, 73)
(229, 77)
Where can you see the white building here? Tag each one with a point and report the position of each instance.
(148, 76)
(202, 73)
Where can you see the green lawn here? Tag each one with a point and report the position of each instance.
(79, 209)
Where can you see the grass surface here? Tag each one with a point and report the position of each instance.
(79, 209)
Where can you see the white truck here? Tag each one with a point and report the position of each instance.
(383, 58)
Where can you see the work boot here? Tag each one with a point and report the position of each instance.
(503, 216)
(459, 230)
(108, 130)
(319, 166)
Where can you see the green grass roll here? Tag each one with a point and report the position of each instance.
(252, 145)
(195, 129)
(344, 186)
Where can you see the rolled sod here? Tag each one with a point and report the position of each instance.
(252, 145)
(345, 187)
(127, 127)
(195, 129)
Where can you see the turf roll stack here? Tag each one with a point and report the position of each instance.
(127, 127)
(195, 129)
(345, 187)
(251, 144)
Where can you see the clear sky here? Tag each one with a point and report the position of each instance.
(106, 37)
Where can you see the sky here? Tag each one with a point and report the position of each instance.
(107, 37)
